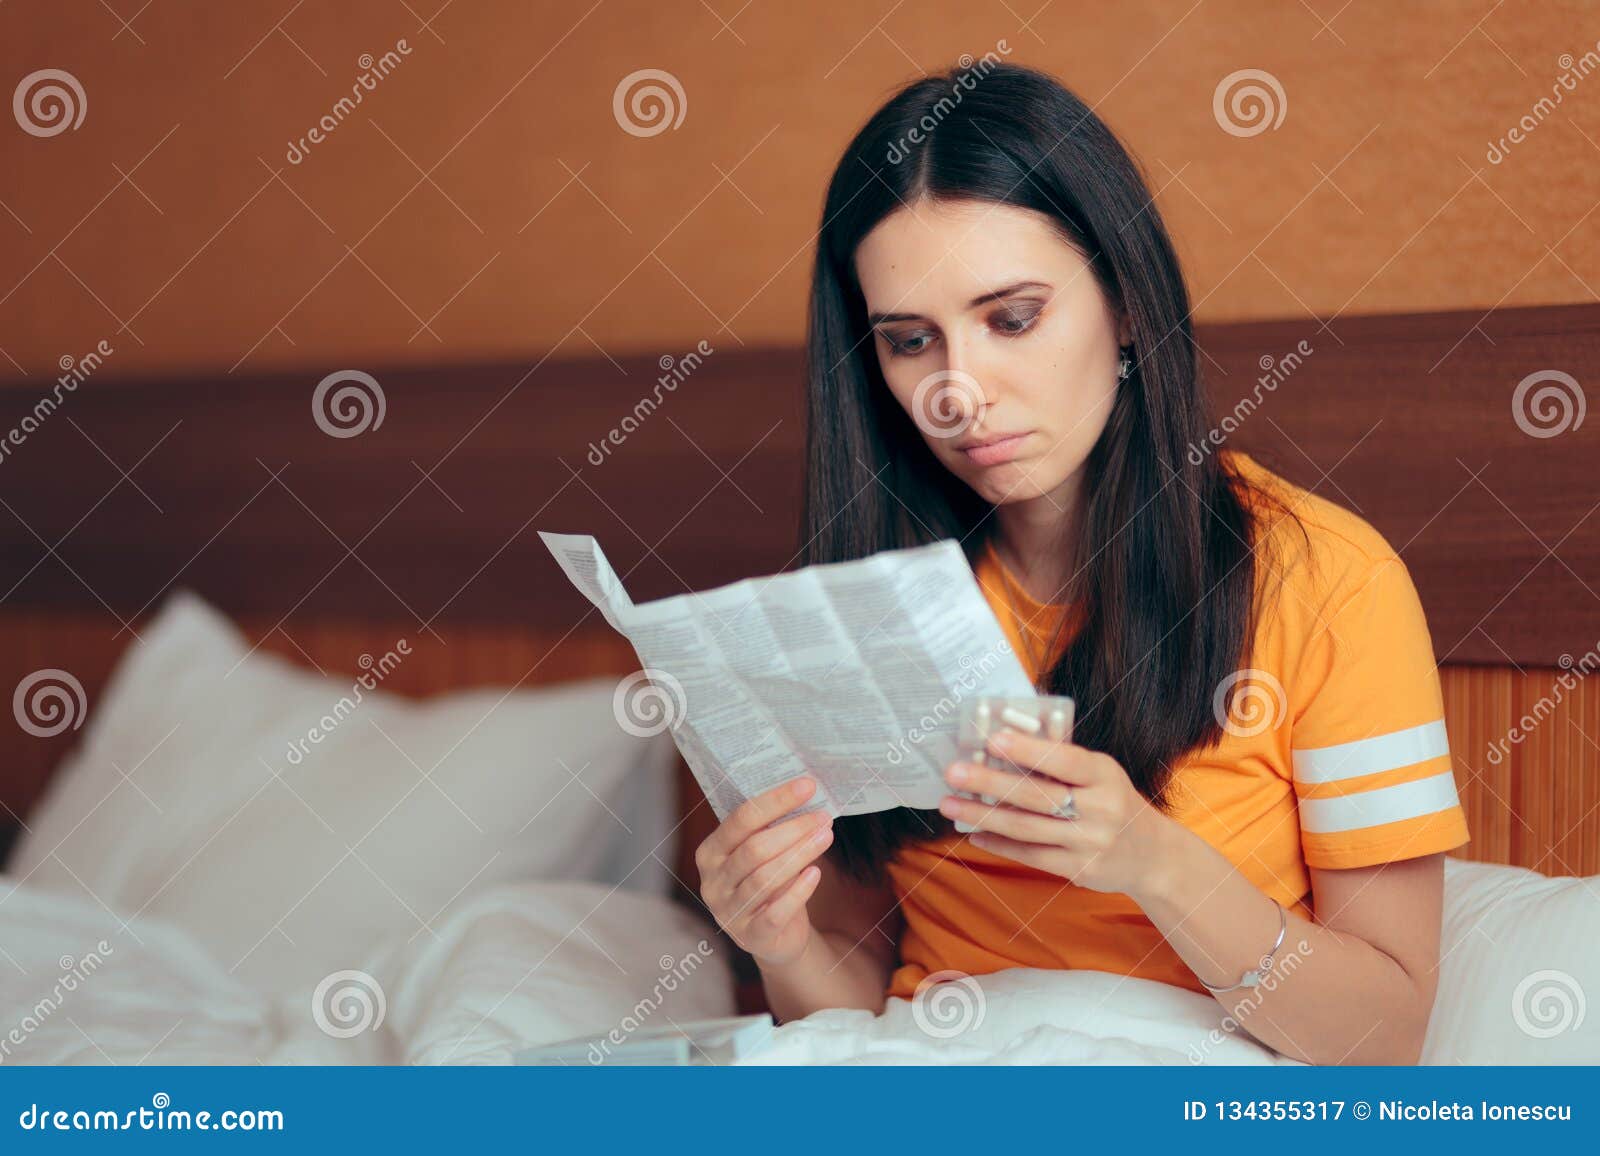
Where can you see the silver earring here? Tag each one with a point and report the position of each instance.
(1125, 364)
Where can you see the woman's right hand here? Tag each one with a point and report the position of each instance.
(756, 880)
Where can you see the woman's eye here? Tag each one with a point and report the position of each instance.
(909, 346)
(1015, 322)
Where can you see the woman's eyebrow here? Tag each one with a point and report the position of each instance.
(991, 295)
(997, 294)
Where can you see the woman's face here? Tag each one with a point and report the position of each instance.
(992, 332)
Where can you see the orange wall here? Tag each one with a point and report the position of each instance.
(544, 225)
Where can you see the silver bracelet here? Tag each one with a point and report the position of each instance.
(1255, 975)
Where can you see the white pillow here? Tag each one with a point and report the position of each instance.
(184, 801)
(1520, 967)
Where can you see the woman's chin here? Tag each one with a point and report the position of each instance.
(1005, 484)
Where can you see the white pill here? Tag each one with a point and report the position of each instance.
(1023, 722)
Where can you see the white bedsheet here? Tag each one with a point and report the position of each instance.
(522, 963)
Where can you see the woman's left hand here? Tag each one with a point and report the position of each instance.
(1116, 842)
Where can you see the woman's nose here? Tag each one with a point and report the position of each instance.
(965, 367)
(950, 400)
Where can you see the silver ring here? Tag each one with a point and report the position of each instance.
(1065, 809)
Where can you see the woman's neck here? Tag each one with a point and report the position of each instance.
(1034, 541)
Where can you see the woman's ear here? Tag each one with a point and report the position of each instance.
(1124, 330)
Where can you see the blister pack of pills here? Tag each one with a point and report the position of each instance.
(1046, 715)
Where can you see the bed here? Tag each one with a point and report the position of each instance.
(198, 570)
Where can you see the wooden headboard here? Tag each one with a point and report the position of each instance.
(688, 471)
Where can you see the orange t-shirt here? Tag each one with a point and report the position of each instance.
(1335, 756)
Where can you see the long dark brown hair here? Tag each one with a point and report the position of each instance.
(1166, 573)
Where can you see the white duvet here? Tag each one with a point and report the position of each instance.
(1024, 1016)
(529, 963)
(506, 970)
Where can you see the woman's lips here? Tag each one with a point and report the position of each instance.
(992, 453)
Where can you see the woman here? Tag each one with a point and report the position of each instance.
(1001, 353)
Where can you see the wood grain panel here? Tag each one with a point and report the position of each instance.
(1527, 765)
(1477, 705)
(1411, 421)
(233, 490)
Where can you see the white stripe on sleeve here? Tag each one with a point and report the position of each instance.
(1383, 805)
(1371, 756)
